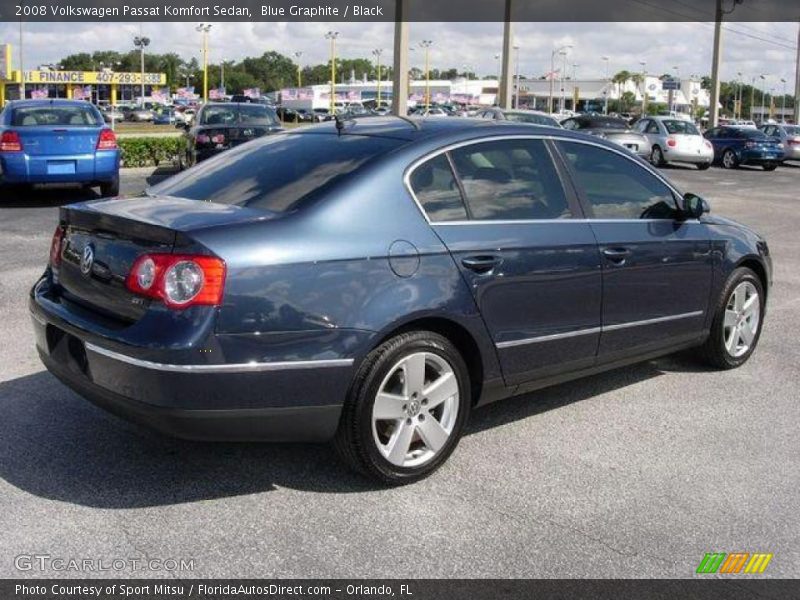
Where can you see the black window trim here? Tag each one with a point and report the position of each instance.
(571, 190)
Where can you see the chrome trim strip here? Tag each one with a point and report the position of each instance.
(591, 330)
(548, 338)
(696, 313)
(538, 136)
(251, 367)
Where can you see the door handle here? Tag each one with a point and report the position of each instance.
(481, 264)
(617, 255)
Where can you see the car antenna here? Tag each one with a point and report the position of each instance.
(410, 121)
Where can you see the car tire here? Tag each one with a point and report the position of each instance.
(657, 157)
(770, 167)
(704, 166)
(737, 318)
(729, 160)
(388, 440)
(110, 188)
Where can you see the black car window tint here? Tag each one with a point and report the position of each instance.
(615, 186)
(436, 190)
(510, 180)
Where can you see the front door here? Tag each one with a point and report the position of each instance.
(656, 266)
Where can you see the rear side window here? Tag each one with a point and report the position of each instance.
(436, 190)
(680, 127)
(276, 173)
(616, 187)
(510, 180)
(55, 116)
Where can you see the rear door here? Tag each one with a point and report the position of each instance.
(529, 259)
(656, 267)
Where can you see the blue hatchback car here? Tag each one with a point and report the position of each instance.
(57, 141)
(372, 281)
(734, 146)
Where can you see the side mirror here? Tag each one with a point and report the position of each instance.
(693, 206)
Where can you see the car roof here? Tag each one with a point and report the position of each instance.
(451, 129)
(48, 102)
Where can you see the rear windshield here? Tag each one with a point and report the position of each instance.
(238, 114)
(53, 115)
(749, 133)
(276, 173)
(605, 124)
(677, 126)
(528, 118)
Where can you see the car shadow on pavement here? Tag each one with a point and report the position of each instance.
(56, 445)
(161, 173)
(45, 196)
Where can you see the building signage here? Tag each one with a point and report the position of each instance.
(93, 77)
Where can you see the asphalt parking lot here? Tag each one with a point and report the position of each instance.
(634, 473)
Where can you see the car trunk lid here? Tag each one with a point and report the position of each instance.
(102, 240)
(58, 141)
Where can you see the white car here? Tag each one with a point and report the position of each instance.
(675, 140)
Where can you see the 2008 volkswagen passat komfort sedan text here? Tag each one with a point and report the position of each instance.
(372, 286)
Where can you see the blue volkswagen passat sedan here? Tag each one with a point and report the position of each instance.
(57, 141)
(371, 285)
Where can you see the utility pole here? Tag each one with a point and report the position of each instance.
(377, 54)
(332, 35)
(400, 72)
(713, 110)
(204, 29)
(22, 65)
(797, 79)
(506, 85)
(426, 45)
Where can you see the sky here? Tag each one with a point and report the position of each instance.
(752, 49)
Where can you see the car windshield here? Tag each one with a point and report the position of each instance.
(531, 118)
(54, 115)
(677, 126)
(276, 173)
(237, 114)
(791, 130)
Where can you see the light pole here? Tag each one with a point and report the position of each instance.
(562, 104)
(204, 28)
(783, 101)
(644, 86)
(298, 55)
(141, 42)
(426, 44)
(674, 93)
(377, 54)
(553, 72)
(516, 92)
(332, 35)
(605, 108)
(21, 63)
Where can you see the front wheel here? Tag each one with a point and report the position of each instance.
(406, 409)
(738, 318)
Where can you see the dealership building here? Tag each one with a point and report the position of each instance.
(102, 86)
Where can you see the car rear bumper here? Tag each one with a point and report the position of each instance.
(688, 156)
(281, 400)
(759, 157)
(81, 168)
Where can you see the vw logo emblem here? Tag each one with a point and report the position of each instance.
(87, 259)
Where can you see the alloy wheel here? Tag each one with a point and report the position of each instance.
(742, 319)
(729, 160)
(415, 410)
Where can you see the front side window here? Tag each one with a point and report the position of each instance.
(615, 187)
(510, 180)
(436, 190)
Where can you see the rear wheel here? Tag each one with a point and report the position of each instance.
(406, 409)
(110, 188)
(657, 157)
(738, 319)
(729, 160)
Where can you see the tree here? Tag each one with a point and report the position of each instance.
(621, 79)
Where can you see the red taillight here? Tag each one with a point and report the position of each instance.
(107, 140)
(794, 142)
(202, 138)
(179, 280)
(672, 142)
(55, 246)
(218, 139)
(10, 142)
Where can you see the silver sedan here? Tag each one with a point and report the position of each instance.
(675, 140)
(789, 135)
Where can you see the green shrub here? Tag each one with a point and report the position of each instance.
(149, 151)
